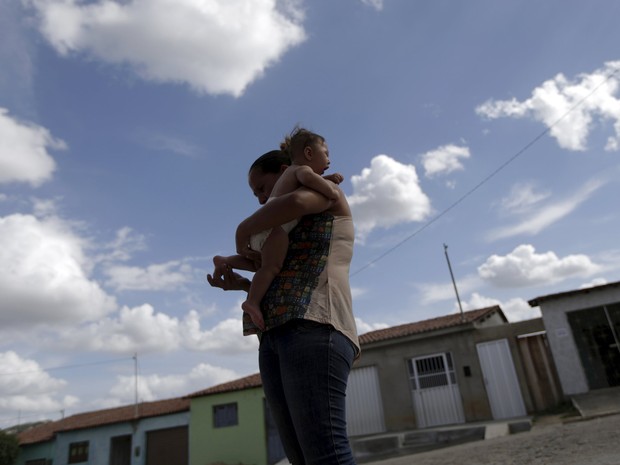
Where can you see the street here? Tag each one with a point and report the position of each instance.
(550, 442)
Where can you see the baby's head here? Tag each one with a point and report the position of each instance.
(306, 148)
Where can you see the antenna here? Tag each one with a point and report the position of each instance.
(135, 369)
(456, 291)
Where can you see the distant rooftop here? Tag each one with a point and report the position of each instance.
(586, 290)
(47, 430)
(240, 384)
(433, 324)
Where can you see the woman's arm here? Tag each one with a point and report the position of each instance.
(279, 211)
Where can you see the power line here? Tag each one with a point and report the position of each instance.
(488, 177)
(64, 367)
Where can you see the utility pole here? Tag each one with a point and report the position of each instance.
(456, 291)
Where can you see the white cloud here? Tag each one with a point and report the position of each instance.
(516, 309)
(24, 149)
(376, 4)
(171, 144)
(549, 214)
(226, 337)
(26, 387)
(431, 293)
(44, 275)
(522, 197)
(555, 98)
(155, 387)
(524, 267)
(386, 194)
(595, 282)
(138, 329)
(124, 245)
(163, 276)
(142, 329)
(216, 47)
(364, 327)
(444, 160)
(357, 292)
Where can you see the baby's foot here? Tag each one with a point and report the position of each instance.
(253, 310)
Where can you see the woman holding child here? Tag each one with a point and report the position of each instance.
(308, 339)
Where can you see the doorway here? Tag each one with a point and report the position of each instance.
(596, 332)
(436, 395)
(500, 379)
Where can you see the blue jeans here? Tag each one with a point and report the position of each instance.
(304, 367)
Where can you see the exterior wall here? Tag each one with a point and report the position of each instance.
(391, 358)
(510, 332)
(152, 424)
(42, 450)
(244, 443)
(99, 440)
(559, 334)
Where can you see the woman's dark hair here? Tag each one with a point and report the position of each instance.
(271, 162)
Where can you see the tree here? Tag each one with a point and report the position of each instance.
(9, 448)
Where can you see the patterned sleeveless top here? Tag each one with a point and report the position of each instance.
(314, 281)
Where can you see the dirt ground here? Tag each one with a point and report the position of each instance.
(549, 442)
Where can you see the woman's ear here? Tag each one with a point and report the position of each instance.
(283, 168)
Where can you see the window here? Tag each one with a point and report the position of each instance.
(431, 372)
(78, 452)
(225, 415)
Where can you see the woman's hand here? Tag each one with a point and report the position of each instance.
(242, 241)
(225, 278)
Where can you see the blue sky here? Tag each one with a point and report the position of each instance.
(126, 132)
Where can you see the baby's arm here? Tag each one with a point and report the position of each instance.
(310, 179)
(336, 178)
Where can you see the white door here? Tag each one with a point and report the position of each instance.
(500, 379)
(364, 404)
(436, 395)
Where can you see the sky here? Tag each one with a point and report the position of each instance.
(127, 128)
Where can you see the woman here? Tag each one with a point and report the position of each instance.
(310, 341)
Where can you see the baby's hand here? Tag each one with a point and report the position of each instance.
(336, 178)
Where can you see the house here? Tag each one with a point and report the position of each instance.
(452, 369)
(231, 423)
(149, 433)
(583, 328)
(447, 370)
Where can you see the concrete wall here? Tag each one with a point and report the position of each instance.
(99, 440)
(391, 358)
(244, 443)
(565, 354)
(41, 450)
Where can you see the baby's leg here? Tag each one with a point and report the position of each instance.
(238, 262)
(272, 258)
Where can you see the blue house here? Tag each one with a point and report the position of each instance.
(149, 433)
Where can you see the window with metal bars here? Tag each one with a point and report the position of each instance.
(431, 371)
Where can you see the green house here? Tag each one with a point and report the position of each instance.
(230, 424)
